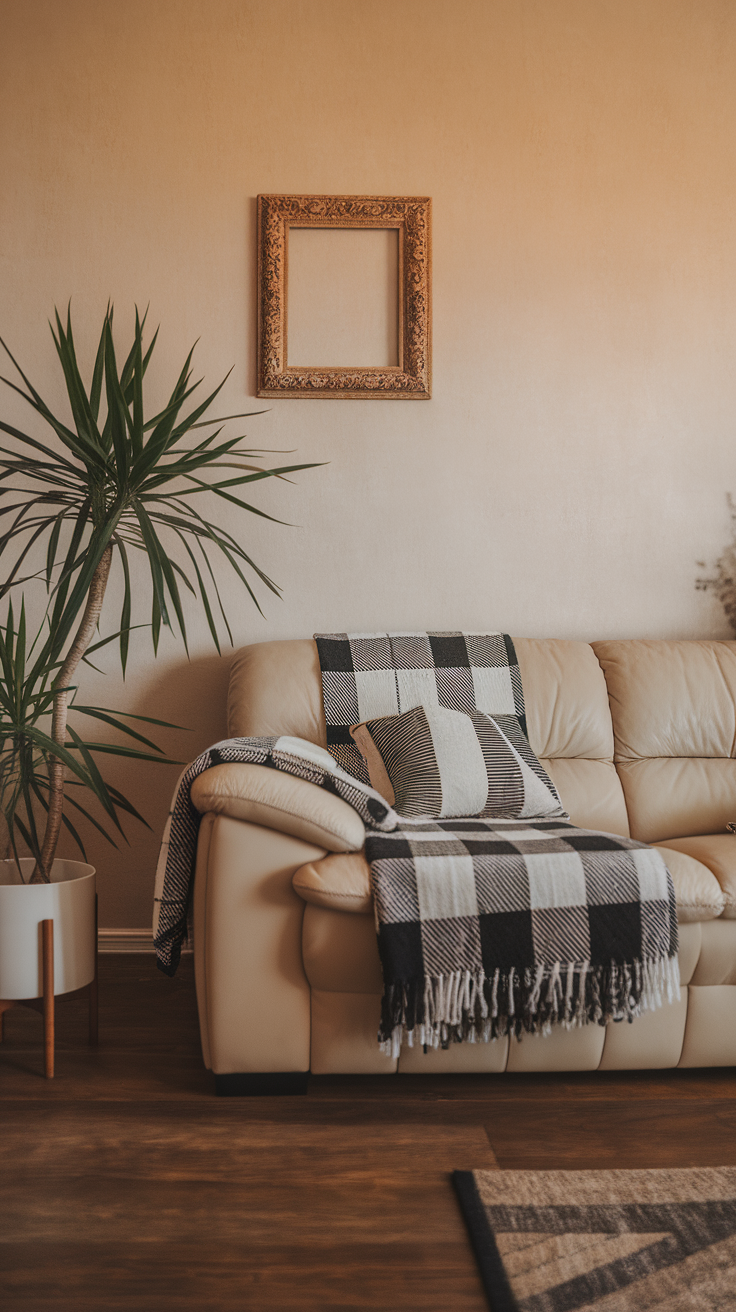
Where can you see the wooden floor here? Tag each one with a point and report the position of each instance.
(127, 1185)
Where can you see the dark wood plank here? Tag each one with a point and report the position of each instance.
(624, 1135)
(80, 1277)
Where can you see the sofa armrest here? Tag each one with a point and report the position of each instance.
(340, 882)
(252, 993)
(279, 801)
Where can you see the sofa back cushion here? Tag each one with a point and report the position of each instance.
(673, 706)
(569, 728)
(276, 688)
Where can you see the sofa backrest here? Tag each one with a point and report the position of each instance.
(673, 706)
(570, 730)
(276, 687)
(639, 736)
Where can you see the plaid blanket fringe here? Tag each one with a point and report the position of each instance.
(465, 1007)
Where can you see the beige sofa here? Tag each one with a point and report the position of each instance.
(640, 739)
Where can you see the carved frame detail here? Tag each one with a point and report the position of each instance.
(410, 380)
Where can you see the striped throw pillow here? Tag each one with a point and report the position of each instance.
(434, 762)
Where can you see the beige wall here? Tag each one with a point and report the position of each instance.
(572, 464)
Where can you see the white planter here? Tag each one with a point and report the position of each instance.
(69, 900)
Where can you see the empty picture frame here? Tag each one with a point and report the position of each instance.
(409, 378)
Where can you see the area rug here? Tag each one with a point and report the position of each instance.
(608, 1241)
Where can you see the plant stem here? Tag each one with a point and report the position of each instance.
(82, 639)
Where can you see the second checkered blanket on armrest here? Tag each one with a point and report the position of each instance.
(175, 870)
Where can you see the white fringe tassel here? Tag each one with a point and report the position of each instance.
(458, 1001)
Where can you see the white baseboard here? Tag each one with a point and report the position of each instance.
(127, 940)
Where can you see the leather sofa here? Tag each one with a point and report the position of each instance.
(640, 739)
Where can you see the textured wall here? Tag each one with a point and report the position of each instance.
(572, 464)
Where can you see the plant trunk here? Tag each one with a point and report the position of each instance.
(82, 639)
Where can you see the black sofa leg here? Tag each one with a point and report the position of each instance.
(261, 1084)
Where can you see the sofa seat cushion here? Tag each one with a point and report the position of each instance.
(698, 893)
(279, 801)
(718, 853)
(341, 882)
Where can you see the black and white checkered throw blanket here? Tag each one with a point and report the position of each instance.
(175, 870)
(492, 927)
(488, 927)
(368, 675)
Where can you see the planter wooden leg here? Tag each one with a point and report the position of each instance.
(4, 1006)
(47, 931)
(93, 994)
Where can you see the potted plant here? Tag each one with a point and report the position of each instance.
(28, 678)
(107, 483)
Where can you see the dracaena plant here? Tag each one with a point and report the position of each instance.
(28, 675)
(112, 482)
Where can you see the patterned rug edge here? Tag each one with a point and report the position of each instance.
(553, 1241)
(490, 1263)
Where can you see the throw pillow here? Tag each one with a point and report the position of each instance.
(439, 763)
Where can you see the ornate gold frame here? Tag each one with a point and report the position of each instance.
(410, 379)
